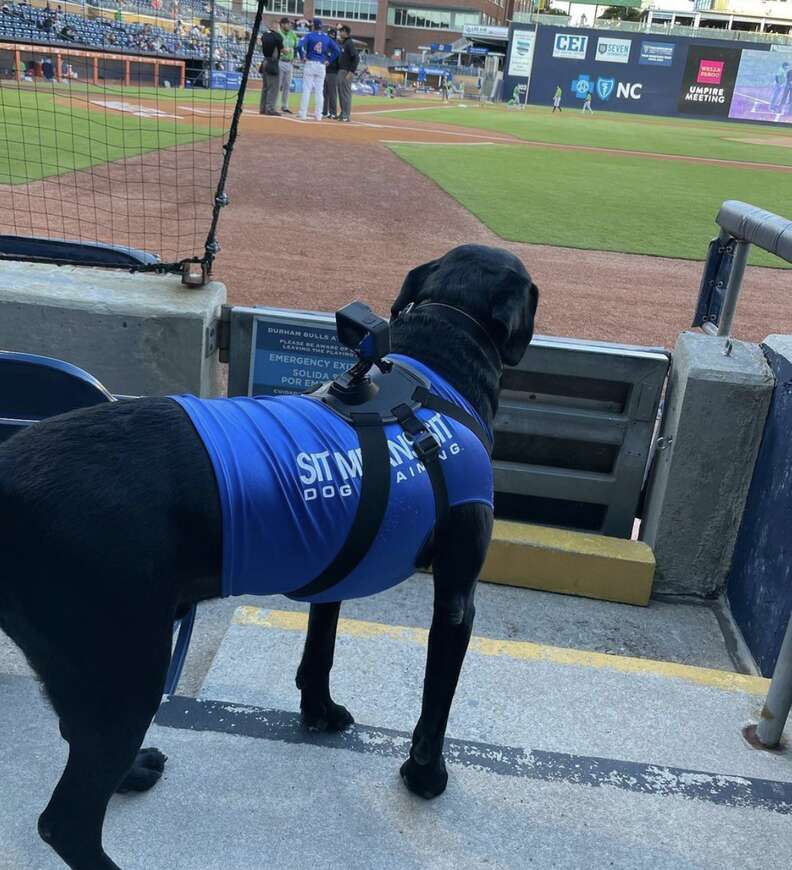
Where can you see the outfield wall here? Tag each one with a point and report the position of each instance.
(649, 74)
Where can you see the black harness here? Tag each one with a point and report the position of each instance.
(393, 394)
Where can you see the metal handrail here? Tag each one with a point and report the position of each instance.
(743, 225)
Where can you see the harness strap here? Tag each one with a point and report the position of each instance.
(449, 409)
(427, 450)
(374, 497)
(376, 478)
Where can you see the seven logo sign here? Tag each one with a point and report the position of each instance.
(613, 50)
(570, 46)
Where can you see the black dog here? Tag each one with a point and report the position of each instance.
(110, 526)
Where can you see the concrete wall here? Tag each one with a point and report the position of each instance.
(715, 414)
(140, 334)
(760, 580)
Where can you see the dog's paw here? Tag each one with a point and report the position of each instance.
(326, 717)
(145, 772)
(425, 780)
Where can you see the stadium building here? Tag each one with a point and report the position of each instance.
(761, 16)
(390, 26)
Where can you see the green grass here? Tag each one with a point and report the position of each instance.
(597, 201)
(626, 132)
(41, 137)
(46, 131)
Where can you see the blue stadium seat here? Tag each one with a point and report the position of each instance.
(33, 388)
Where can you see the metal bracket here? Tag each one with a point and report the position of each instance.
(223, 333)
(664, 442)
(210, 344)
(194, 274)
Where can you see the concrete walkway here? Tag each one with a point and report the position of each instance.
(561, 754)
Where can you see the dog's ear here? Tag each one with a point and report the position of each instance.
(413, 283)
(513, 313)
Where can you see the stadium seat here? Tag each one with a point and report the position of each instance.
(33, 388)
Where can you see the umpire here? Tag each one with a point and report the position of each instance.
(271, 48)
(330, 109)
(347, 67)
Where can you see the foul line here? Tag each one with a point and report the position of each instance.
(406, 109)
(288, 620)
(441, 144)
(192, 714)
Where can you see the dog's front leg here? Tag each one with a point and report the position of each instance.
(459, 553)
(319, 711)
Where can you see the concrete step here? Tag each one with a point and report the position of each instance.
(575, 563)
(239, 803)
(511, 693)
(558, 758)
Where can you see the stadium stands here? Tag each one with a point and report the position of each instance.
(20, 22)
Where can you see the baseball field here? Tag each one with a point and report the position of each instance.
(611, 213)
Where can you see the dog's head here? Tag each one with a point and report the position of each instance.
(489, 284)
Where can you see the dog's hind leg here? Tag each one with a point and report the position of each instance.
(460, 548)
(104, 729)
(319, 711)
(73, 820)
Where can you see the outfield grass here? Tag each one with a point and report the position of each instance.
(42, 137)
(621, 131)
(597, 201)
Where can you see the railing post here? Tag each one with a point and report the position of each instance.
(741, 249)
(779, 697)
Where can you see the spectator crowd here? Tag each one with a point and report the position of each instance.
(23, 22)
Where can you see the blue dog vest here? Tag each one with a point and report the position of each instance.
(288, 471)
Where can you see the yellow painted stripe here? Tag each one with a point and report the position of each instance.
(516, 649)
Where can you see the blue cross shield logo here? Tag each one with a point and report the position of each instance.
(605, 88)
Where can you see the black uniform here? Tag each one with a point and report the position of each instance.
(347, 66)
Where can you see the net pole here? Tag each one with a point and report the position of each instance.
(211, 42)
(212, 247)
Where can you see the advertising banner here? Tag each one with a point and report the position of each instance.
(708, 80)
(519, 66)
(608, 65)
(663, 75)
(522, 50)
(763, 90)
(656, 53)
(485, 31)
(613, 50)
(570, 46)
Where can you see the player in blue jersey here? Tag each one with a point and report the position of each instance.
(317, 50)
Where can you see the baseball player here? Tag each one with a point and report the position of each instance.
(317, 49)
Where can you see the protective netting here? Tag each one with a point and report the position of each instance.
(109, 129)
